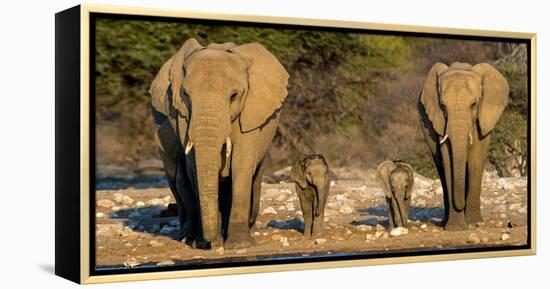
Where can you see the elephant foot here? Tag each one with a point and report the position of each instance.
(241, 241)
(474, 218)
(456, 224)
(455, 227)
(202, 244)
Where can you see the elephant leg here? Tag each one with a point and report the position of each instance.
(256, 193)
(476, 164)
(391, 213)
(225, 204)
(455, 220)
(306, 205)
(170, 167)
(318, 225)
(438, 160)
(396, 212)
(405, 215)
(238, 235)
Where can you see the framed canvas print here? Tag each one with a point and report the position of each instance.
(193, 144)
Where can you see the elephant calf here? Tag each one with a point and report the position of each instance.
(311, 175)
(397, 179)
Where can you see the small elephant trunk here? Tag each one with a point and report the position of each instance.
(322, 188)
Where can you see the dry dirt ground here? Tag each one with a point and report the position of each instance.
(131, 233)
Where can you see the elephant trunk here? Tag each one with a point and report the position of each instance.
(397, 213)
(459, 143)
(208, 133)
(208, 165)
(321, 189)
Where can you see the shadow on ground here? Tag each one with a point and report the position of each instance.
(379, 215)
(292, 224)
(149, 220)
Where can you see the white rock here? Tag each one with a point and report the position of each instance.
(474, 239)
(320, 241)
(155, 244)
(105, 203)
(399, 231)
(290, 207)
(118, 197)
(269, 210)
(378, 234)
(370, 237)
(505, 237)
(380, 227)
(256, 233)
(115, 208)
(166, 263)
(134, 215)
(140, 204)
(341, 197)
(346, 209)
(281, 198)
(99, 215)
(167, 199)
(281, 208)
(131, 262)
(503, 184)
(167, 230)
(123, 199)
(284, 241)
(156, 202)
(423, 226)
(364, 228)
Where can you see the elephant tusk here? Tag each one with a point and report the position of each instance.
(470, 138)
(188, 147)
(228, 147)
(444, 139)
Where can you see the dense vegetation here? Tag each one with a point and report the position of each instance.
(351, 96)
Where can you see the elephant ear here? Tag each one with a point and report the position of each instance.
(267, 85)
(383, 173)
(410, 172)
(430, 98)
(494, 97)
(170, 79)
(160, 98)
(297, 174)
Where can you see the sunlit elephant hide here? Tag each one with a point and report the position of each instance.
(216, 110)
(459, 106)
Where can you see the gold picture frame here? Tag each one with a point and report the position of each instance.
(68, 242)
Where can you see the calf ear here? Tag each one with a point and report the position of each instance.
(297, 174)
(410, 172)
(383, 174)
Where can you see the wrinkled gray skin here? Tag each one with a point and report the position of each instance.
(459, 106)
(312, 179)
(397, 180)
(216, 110)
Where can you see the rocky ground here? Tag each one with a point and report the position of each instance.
(132, 230)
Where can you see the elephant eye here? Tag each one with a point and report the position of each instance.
(474, 105)
(234, 95)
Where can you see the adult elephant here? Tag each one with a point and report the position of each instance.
(459, 107)
(217, 109)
